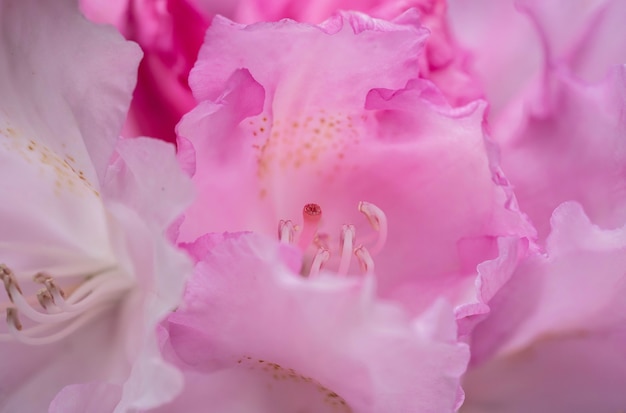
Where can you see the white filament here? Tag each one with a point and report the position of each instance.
(60, 316)
(346, 245)
(378, 221)
(319, 260)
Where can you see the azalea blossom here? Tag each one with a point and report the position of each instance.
(254, 335)
(287, 133)
(84, 258)
(392, 167)
(171, 32)
(555, 337)
(555, 334)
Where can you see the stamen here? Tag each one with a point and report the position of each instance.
(311, 216)
(346, 243)
(62, 314)
(45, 299)
(319, 260)
(286, 231)
(28, 336)
(10, 283)
(12, 318)
(365, 259)
(57, 294)
(312, 240)
(378, 221)
(25, 308)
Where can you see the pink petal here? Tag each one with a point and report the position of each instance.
(574, 150)
(244, 309)
(582, 36)
(494, 32)
(86, 398)
(554, 339)
(587, 36)
(236, 46)
(566, 374)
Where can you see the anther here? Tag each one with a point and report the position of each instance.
(365, 259)
(319, 260)
(12, 318)
(10, 283)
(57, 294)
(45, 299)
(378, 221)
(311, 216)
(346, 244)
(62, 314)
(286, 231)
(46, 333)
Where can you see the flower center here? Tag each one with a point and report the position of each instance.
(314, 244)
(53, 313)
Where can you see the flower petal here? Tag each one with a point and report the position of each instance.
(30, 377)
(555, 336)
(54, 143)
(40, 71)
(574, 150)
(146, 190)
(82, 398)
(248, 321)
(484, 26)
(587, 36)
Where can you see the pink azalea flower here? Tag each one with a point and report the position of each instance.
(254, 335)
(562, 139)
(85, 263)
(170, 32)
(337, 119)
(554, 339)
(582, 35)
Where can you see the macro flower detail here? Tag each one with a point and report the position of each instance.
(289, 130)
(85, 263)
(325, 206)
(553, 339)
